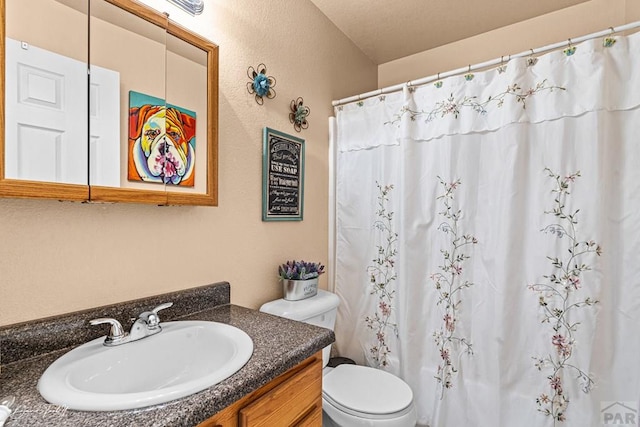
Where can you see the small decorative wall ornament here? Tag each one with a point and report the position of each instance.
(261, 85)
(299, 113)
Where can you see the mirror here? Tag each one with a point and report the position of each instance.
(144, 127)
(46, 53)
(127, 64)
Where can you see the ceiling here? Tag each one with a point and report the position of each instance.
(390, 29)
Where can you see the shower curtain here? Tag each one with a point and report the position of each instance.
(488, 239)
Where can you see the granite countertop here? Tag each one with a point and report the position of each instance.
(279, 344)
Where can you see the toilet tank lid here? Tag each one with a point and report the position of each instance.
(304, 309)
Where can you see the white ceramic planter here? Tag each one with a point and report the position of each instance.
(295, 290)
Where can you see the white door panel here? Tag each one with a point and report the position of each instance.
(104, 114)
(39, 153)
(47, 118)
(46, 125)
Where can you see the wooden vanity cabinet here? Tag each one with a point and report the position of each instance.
(292, 399)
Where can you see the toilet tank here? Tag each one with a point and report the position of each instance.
(319, 310)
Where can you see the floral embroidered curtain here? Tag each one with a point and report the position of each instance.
(488, 231)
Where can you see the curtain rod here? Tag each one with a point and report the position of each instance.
(482, 65)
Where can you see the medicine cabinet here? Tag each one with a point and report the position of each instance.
(106, 101)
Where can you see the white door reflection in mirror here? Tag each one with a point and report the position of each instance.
(104, 115)
(46, 129)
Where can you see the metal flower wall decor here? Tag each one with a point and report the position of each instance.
(299, 113)
(261, 85)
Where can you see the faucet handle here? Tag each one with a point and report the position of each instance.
(151, 317)
(161, 307)
(116, 333)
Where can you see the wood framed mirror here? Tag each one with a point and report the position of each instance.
(142, 127)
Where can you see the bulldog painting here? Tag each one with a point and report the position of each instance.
(161, 141)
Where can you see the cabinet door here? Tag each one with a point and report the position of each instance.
(228, 417)
(290, 403)
(61, 138)
(314, 419)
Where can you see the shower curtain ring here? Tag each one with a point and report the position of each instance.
(610, 40)
(438, 82)
(502, 67)
(409, 87)
(469, 76)
(531, 60)
(570, 50)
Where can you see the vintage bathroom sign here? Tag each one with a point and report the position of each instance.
(283, 176)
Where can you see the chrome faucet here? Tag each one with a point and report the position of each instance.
(147, 324)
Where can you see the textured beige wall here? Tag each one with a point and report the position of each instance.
(633, 11)
(575, 21)
(58, 257)
(35, 21)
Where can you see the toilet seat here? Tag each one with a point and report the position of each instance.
(366, 392)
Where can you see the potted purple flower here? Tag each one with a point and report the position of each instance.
(300, 279)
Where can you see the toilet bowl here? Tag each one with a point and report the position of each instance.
(361, 396)
(352, 395)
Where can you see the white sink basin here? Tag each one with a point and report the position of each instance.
(186, 357)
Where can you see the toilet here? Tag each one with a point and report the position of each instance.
(352, 396)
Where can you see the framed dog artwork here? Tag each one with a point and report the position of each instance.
(282, 176)
(162, 142)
